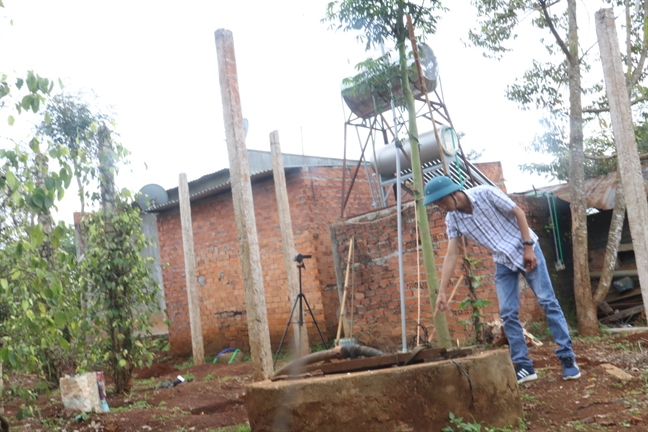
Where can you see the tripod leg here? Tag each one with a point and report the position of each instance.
(285, 331)
(314, 321)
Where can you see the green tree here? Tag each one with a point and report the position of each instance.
(71, 120)
(383, 21)
(37, 288)
(57, 315)
(556, 87)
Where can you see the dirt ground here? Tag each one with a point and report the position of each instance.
(214, 398)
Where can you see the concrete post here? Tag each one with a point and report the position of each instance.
(255, 302)
(190, 271)
(624, 137)
(288, 242)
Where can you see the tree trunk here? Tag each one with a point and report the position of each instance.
(440, 324)
(614, 238)
(585, 307)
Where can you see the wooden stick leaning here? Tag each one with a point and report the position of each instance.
(344, 294)
(454, 290)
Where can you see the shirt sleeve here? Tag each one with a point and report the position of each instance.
(451, 227)
(499, 199)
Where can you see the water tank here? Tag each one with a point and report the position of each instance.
(384, 161)
(360, 96)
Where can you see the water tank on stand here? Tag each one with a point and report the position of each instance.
(384, 162)
(367, 99)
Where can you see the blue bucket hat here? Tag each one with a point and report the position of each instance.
(438, 188)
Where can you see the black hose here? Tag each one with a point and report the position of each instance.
(353, 351)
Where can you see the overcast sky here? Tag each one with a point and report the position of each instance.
(155, 63)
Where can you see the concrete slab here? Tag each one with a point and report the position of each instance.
(410, 398)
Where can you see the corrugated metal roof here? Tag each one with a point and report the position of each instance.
(212, 190)
(600, 191)
(260, 163)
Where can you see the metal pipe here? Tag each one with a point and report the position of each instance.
(373, 198)
(399, 222)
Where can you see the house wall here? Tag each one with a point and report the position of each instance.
(376, 309)
(314, 197)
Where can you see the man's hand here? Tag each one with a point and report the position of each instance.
(441, 303)
(530, 259)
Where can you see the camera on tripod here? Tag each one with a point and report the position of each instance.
(300, 258)
(299, 299)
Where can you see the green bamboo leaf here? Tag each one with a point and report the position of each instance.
(34, 145)
(32, 84)
(43, 84)
(37, 236)
(60, 319)
(48, 201)
(35, 102)
(25, 103)
(64, 344)
(37, 199)
(12, 181)
(12, 359)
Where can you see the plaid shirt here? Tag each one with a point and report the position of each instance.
(491, 224)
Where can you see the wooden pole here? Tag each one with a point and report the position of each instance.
(190, 271)
(344, 295)
(624, 137)
(255, 302)
(288, 242)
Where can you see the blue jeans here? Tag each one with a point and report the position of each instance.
(507, 283)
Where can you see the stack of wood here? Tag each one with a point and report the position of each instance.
(621, 306)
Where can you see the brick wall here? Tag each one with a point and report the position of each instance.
(314, 196)
(376, 312)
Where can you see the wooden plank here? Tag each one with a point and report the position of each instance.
(623, 314)
(615, 296)
(344, 366)
(616, 274)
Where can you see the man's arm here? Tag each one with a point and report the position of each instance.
(530, 259)
(446, 272)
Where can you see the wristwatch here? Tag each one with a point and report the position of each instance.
(528, 243)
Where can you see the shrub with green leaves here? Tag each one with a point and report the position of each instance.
(121, 292)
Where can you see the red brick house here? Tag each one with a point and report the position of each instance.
(314, 191)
